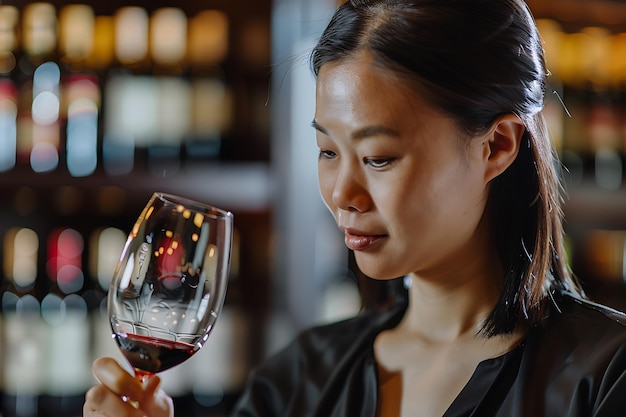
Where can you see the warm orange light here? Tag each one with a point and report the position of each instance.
(76, 34)
(208, 37)
(39, 28)
(103, 42)
(20, 256)
(9, 17)
(168, 35)
(131, 34)
(198, 219)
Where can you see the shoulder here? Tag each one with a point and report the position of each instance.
(329, 344)
(587, 319)
(583, 324)
(575, 359)
(581, 334)
(345, 336)
(336, 334)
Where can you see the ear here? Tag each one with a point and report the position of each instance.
(502, 144)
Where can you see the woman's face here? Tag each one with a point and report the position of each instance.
(402, 183)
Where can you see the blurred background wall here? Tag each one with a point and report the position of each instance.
(104, 102)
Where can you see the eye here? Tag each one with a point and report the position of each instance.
(378, 163)
(326, 154)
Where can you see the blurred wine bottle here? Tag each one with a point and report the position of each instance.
(168, 46)
(602, 120)
(23, 341)
(131, 104)
(38, 137)
(81, 89)
(105, 247)
(65, 375)
(9, 18)
(617, 71)
(212, 99)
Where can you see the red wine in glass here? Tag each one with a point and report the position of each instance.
(150, 355)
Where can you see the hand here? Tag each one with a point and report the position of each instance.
(122, 395)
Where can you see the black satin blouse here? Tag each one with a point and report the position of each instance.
(572, 364)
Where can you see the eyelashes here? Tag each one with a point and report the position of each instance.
(376, 163)
(326, 154)
(379, 163)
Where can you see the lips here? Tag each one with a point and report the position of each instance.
(358, 241)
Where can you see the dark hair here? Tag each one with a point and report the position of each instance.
(478, 60)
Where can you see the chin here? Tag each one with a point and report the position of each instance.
(376, 267)
(375, 272)
(385, 277)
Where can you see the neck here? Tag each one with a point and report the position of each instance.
(446, 309)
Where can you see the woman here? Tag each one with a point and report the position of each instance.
(435, 162)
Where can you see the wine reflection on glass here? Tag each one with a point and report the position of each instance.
(169, 285)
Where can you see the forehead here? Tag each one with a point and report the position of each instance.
(357, 76)
(357, 89)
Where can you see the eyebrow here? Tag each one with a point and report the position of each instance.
(375, 130)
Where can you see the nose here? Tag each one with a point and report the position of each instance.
(350, 191)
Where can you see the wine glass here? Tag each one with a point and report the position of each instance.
(169, 285)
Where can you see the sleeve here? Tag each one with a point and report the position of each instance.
(612, 391)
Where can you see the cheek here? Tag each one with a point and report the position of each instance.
(438, 196)
(462, 199)
(326, 184)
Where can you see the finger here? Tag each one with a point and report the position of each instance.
(155, 401)
(116, 379)
(95, 414)
(151, 386)
(101, 402)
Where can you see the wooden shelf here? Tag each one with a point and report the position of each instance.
(232, 186)
(589, 206)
